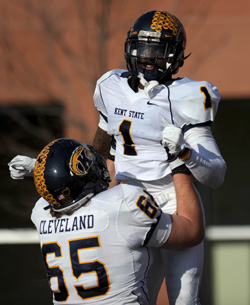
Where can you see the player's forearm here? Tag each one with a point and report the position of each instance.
(188, 224)
(111, 169)
(189, 207)
(205, 161)
(208, 171)
(102, 142)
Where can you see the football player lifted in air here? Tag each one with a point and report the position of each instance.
(161, 125)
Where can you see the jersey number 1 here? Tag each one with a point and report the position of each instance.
(208, 100)
(128, 144)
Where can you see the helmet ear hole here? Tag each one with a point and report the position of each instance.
(94, 177)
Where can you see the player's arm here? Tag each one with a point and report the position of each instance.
(199, 152)
(102, 142)
(205, 161)
(188, 225)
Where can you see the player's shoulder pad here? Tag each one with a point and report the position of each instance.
(107, 82)
(193, 102)
(107, 75)
(40, 210)
(139, 203)
(130, 192)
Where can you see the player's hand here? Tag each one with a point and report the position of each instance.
(21, 166)
(173, 141)
(172, 138)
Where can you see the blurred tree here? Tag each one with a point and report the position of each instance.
(56, 50)
(51, 54)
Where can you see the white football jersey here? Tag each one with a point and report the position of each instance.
(99, 254)
(137, 121)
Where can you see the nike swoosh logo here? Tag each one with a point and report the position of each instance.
(149, 103)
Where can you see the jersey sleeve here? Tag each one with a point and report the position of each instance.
(142, 223)
(102, 104)
(99, 102)
(38, 211)
(193, 102)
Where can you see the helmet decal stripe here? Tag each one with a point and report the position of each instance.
(39, 175)
(163, 20)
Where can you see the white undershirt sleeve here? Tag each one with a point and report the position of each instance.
(205, 162)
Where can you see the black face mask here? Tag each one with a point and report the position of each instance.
(149, 75)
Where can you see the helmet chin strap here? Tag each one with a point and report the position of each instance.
(148, 85)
